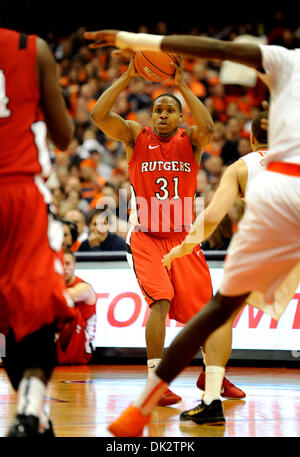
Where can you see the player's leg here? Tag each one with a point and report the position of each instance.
(192, 282)
(155, 332)
(29, 364)
(144, 254)
(155, 339)
(155, 328)
(216, 352)
(182, 350)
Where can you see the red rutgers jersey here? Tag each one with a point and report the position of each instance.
(163, 174)
(22, 127)
(86, 310)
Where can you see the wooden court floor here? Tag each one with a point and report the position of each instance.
(82, 400)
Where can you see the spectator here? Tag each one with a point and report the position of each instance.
(70, 235)
(74, 345)
(214, 167)
(229, 152)
(77, 216)
(91, 181)
(100, 238)
(203, 185)
(244, 146)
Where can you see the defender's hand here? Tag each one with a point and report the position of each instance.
(101, 38)
(177, 251)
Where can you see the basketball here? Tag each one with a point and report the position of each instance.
(154, 66)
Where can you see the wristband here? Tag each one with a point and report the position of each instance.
(138, 41)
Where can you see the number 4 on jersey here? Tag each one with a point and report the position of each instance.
(4, 111)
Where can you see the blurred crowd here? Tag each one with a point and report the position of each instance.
(94, 169)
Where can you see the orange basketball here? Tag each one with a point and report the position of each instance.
(154, 66)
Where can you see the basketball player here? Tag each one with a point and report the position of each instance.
(233, 184)
(34, 303)
(163, 165)
(74, 343)
(265, 254)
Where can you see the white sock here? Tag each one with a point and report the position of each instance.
(152, 393)
(44, 421)
(152, 365)
(213, 382)
(31, 393)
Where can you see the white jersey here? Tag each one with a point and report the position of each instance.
(283, 69)
(255, 162)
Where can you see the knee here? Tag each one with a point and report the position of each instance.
(35, 352)
(226, 307)
(161, 308)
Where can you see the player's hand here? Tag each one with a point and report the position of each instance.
(95, 238)
(178, 251)
(131, 68)
(178, 76)
(101, 38)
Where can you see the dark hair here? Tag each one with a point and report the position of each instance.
(171, 96)
(73, 229)
(95, 212)
(258, 132)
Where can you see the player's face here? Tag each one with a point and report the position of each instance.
(69, 267)
(165, 116)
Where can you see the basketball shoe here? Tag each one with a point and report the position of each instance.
(169, 398)
(205, 414)
(24, 426)
(130, 423)
(228, 390)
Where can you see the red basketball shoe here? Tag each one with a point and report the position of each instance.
(169, 398)
(228, 390)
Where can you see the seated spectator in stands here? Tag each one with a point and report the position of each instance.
(100, 238)
(74, 344)
(244, 147)
(203, 185)
(70, 235)
(109, 196)
(125, 193)
(214, 148)
(91, 181)
(77, 216)
(214, 168)
(220, 239)
(104, 169)
(229, 152)
(120, 172)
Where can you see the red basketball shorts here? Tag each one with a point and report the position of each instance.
(187, 286)
(32, 289)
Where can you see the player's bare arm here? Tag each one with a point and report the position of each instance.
(200, 134)
(111, 123)
(205, 224)
(186, 45)
(59, 124)
(83, 292)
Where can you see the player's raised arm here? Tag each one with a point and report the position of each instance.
(201, 133)
(186, 45)
(109, 122)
